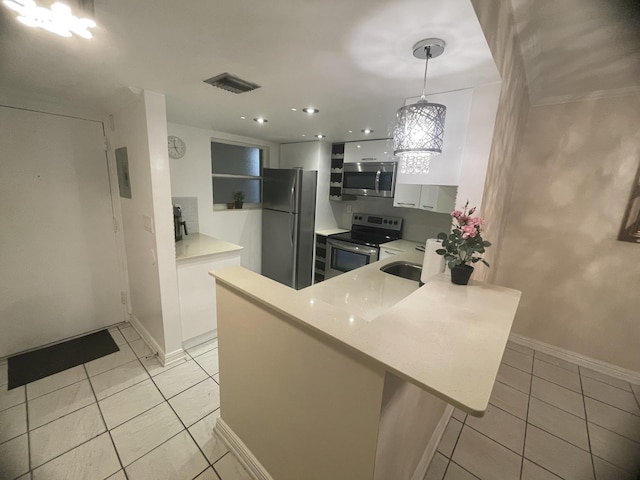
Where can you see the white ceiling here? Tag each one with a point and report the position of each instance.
(351, 59)
(578, 48)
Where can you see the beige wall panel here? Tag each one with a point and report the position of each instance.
(306, 410)
(579, 284)
(408, 419)
(496, 20)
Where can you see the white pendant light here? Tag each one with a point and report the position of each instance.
(420, 129)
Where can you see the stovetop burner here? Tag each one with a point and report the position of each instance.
(372, 230)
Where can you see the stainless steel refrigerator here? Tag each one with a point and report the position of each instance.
(288, 221)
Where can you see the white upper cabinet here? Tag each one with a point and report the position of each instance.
(369, 151)
(407, 196)
(438, 198)
(445, 168)
(434, 198)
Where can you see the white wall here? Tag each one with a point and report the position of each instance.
(313, 156)
(141, 127)
(191, 176)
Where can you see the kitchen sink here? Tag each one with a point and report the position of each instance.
(408, 270)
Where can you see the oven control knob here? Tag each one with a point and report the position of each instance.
(396, 222)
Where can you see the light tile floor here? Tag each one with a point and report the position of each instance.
(127, 417)
(548, 419)
(120, 417)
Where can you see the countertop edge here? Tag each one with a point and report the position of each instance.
(202, 245)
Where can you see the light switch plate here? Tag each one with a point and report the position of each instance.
(349, 208)
(148, 223)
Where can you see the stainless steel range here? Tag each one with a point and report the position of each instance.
(361, 246)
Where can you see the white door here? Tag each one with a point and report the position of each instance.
(59, 263)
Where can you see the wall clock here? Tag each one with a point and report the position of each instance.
(177, 147)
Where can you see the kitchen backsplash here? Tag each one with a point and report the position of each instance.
(418, 225)
(189, 207)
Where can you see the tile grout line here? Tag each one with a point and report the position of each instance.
(184, 424)
(526, 421)
(214, 467)
(555, 364)
(607, 384)
(462, 468)
(586, 424)
(557, 384)
(26, 408)
(108, 432)
(455, 445)
(80, 444)
(549, 433)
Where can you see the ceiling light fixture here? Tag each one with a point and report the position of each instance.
(320, 136)
(260, 120)
(310, 110)
(58, 19)
(420, 129)
(294, 109)
(366, 131)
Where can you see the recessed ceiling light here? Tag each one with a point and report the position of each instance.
(320, 136)
(260, 120)
(303, 135)
(243, 118)
(366, 130)
(310, 110)
(294, 109)
(350, 131)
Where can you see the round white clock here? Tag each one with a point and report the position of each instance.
(177, 147)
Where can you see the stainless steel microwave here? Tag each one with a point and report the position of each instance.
(369, 179)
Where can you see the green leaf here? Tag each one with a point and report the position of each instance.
(441, 251)
(441, 236)
(483, 261)
(486, 244)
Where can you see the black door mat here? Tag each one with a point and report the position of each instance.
(31, 366)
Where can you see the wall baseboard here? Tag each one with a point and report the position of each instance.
(165, 358)
(577, 358)
(195, 341)
(239, 449)
(423, 465)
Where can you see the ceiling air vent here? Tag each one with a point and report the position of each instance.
(231, 83)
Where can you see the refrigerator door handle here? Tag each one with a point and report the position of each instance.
(291, 197)
(291, 228)
(378, 181)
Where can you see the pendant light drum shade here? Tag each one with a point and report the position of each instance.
(419, 130)
(418, 135)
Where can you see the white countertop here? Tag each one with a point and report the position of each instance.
(447, 339)
(331, 231)
(402, 245)
(200, 245)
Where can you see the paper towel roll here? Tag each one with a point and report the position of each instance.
(432, 264)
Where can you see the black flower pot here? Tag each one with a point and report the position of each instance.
(238, 203)
(460, 274)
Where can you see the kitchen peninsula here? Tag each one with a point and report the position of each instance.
(353, 378)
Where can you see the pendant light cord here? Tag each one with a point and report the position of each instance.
(426, 64)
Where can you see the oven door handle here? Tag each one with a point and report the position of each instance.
(352, 247)
(378, 181)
